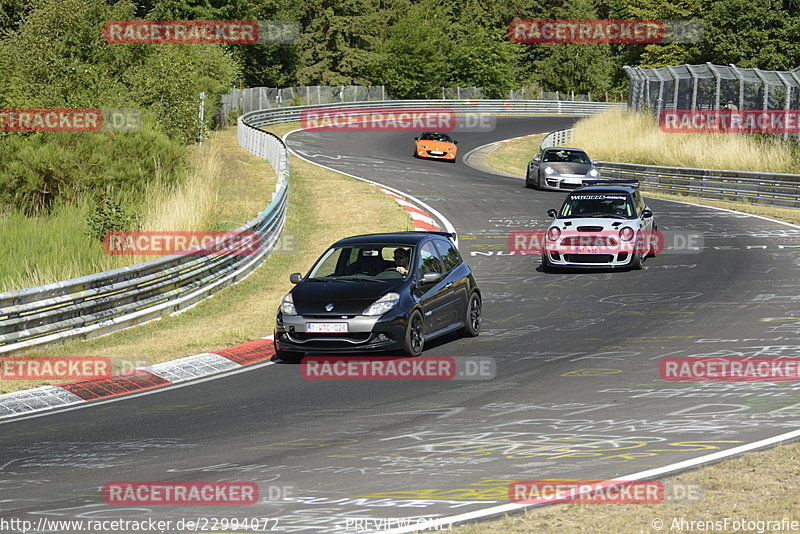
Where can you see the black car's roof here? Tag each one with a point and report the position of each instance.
(557, 148)
(394, 238)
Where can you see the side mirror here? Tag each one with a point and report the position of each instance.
(537, 157)
(646, 214)
(455, 142)
(416, 139)
(295, 278)
(552, 213)
(428, 279)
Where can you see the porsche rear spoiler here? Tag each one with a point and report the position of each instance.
(634, 183)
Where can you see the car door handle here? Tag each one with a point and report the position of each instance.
(448, 285)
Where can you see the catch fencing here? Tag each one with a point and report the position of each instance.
(492, 107)
(711, 87)
(241, 101)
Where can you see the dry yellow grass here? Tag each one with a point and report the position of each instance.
(513, 156)
(624, 136)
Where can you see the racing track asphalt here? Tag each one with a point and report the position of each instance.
(577, 392)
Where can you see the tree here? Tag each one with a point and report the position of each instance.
(580, 67)
(482, 55)
(337, 41)
(415, 57)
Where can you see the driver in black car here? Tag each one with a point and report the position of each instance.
(401, 259)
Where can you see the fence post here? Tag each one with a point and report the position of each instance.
(642, 86)
(659, 102)
(718, 79)
(202, 113)
(797, 82)
(765, 83)
(676, 82)
(786, 101)
(735, 71)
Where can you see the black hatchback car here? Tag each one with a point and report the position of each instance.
(379, 292)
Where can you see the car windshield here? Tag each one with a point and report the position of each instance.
(598, 205)
(566, 156)
(436, 137)
(363, 262)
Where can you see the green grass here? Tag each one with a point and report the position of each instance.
(52, 247)
(57, 246)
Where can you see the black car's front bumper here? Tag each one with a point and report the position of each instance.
(365, 333)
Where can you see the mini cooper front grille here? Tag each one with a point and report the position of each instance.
(588, 241)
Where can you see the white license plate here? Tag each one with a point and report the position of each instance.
(329, 328)
(573, 181)
(436, 153)
(586, 250)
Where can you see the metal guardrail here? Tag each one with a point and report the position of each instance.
(776, 189)
(557, 138)
(494, 107)
(105, 302)
(109, 301)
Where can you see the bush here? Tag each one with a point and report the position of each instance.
(109, 216)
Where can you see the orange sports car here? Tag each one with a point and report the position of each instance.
(436, 146)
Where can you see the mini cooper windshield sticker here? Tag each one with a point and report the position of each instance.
(598, 197)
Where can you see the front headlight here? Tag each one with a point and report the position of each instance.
(423, 146)
(383, 304)
(553, 233)
(451, 149)
(626, 234)
(549, 170)
(287, 305)
(593, 173)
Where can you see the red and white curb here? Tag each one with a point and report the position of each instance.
(46, 398)
(423, 221)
